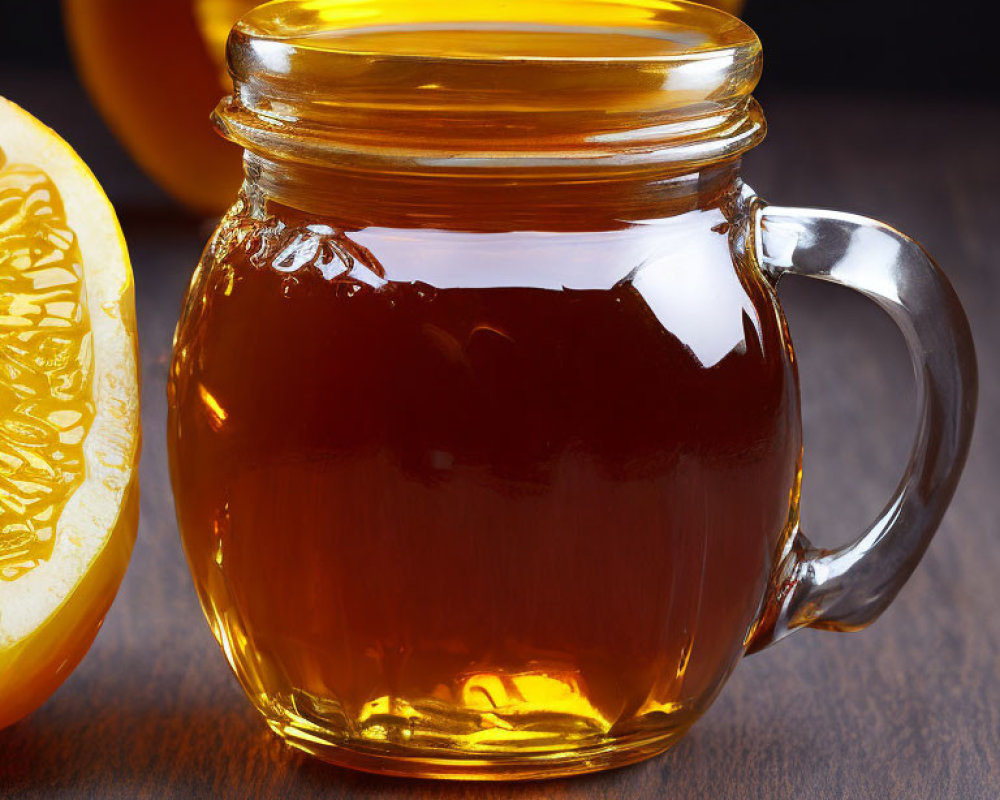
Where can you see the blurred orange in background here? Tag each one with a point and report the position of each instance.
(732, 6)
(156, 77)
(156, 69)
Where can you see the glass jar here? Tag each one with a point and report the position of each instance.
(484, 422)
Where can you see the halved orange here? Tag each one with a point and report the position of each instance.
(69, 410)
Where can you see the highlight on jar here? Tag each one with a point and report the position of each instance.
(483, 505)
(124, 49)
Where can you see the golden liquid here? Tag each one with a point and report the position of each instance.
(469, 518)
(45, 366)
(476, 476)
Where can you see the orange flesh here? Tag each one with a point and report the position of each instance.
(45, 366)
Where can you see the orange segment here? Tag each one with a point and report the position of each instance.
(46, 367)
(69, 410)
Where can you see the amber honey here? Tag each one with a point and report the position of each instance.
(508, 519)
(483, 461)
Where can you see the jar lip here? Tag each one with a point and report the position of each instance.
(676, 30)
(526, 82)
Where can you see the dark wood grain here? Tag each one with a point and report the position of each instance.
(909, 708)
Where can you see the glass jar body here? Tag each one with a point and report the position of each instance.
(482, 503)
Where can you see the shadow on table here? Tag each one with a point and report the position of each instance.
(127, 733)
(142, 747)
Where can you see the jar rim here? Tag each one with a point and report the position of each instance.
(677, 30)
(524, 84)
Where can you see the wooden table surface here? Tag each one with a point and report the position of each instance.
(909, 708)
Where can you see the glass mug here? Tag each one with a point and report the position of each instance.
(484, 418)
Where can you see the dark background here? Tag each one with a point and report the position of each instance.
(857, 45)
(886, 108)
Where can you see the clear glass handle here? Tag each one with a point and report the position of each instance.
(846, 589)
